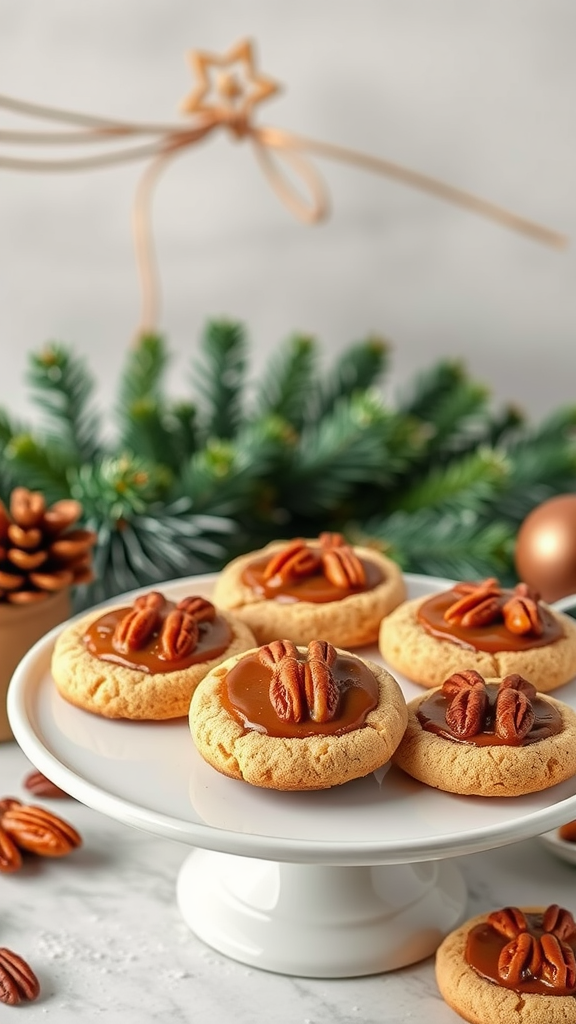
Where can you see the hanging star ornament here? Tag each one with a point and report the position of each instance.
(229, 87)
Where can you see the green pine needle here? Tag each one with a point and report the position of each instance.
(64, 391)
(289, 383)
(359, 368)
(219, 377)
(467, 481)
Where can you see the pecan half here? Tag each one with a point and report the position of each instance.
(514, 714)
(342, 567)
(37, 783)
(135, 628)
(153, 600)
(521, 956)
(475, 609)
(40, 831)
(466, 713)
(522, 615)
(198, 607)
(291, 562)
(509, 922)
(331, 540)
(271, 654)
(518, 682)
(559, 921)
(179, 635)
(323, 650)
(10, 856)
(8, 801)
(321, 689)
(461, 681)
(18, 983)
(469, 587)
(287, 689)
(559, 963)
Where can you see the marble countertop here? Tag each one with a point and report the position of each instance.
(103, 932)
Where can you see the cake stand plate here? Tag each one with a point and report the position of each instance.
(343, 882)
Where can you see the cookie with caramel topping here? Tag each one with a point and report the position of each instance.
(495, 630)
(144, 661)
(512, 966)
(493, 737)
(297, 718)
(303, 589)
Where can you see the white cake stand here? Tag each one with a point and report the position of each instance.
(345, 882)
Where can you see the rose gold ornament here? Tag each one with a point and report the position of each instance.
(545, 554)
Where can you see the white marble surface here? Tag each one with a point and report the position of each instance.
(481, 95)
(103, 932)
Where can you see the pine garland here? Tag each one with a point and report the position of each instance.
(441, 481)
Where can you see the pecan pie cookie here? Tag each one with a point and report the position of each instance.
(144, 661)
(494, 737)
(513, 966)
(483, 626)
(302, 589)
(296, 718)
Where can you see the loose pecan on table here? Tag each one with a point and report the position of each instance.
(10, 856)
(39, 831)
(37, 783)
(18, 983)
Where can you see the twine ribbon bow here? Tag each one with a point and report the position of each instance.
(228, 88)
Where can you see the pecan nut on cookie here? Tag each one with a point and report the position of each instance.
(302, 589)
(144, 661)
(490, 628)
(512, 965)
(494, 737)
(297, 718)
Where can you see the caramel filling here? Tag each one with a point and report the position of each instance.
(432, 717)
(214, 638)
(484, 946)
(491, 637)
(315, 587)
(245, 695)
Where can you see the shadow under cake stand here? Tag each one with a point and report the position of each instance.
(343, 882)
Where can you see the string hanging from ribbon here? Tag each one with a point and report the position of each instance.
(228, 89)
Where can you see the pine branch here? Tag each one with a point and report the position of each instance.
(116, 488)
(359, 368)
(347, 447)
(219, 377)
(430, 388)
(39, 467)
(289, 383)
(468, 481)
(64, 390)
(143, 372)
(146, 435)
(455, 546)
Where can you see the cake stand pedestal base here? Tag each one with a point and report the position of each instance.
(320, 921)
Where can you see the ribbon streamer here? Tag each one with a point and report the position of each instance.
(228, 88)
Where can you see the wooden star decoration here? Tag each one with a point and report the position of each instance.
(228, 85)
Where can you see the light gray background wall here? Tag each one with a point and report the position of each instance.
(481, 94)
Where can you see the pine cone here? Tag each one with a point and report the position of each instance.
(39, 552)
